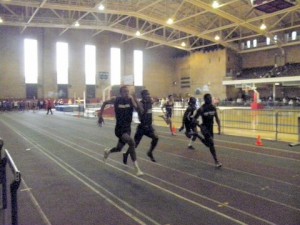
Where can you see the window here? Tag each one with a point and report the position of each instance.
(90, 91)
(31, 91)
(294, 35)
(90, 64)
(248, 44)
(138, 67)
(268, 41)
(115, 66)
(62, 62)
(255, 43)
(30, 61)
(62, 91)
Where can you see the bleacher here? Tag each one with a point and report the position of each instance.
(290, 69)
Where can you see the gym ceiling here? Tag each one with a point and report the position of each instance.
(190, 25)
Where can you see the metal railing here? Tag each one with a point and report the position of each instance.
(276, 123)
(7, 159)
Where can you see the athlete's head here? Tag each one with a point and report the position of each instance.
(192, 101)
(124, 91)
(207, 99)
(145, 95)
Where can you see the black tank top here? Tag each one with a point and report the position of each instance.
(169, 106)
(146, 117)
(207, 113)
(191, 111)
(123, 111)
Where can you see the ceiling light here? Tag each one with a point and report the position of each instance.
(1, 20)
(138, 33)
(217, 37)
(77, 24)
(263, 26)
(215, 4)
(101, 7)
(170, 21)
(183, 44)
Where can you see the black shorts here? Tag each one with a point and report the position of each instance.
(169, 115)
(119, 131)
(207, 131)
(189, 128)
(145, 130)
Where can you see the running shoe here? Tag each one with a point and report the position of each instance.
(191, 147)
(139, 173)
(106, 154)
(150, 155)
(218, 165)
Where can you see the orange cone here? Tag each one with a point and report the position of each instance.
(258, 141)
(174, 130)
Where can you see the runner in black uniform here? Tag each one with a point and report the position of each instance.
(188, 122)
(208, 112)
(123, 106)
(145, 127)
(168, 106)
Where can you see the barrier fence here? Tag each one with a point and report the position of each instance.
(7, 160)
(276, 124)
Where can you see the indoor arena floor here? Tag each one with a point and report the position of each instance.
(66, 182)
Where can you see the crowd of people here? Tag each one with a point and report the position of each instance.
(7, 105)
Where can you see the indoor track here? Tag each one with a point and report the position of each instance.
(66, 182)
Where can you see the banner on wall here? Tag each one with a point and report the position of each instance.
(103, 75)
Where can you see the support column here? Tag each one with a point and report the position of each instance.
(274, 92)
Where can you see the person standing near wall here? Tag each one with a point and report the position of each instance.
(123, 105)
(49, 106)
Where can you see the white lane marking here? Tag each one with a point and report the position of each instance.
(226, 186)
(148, 182)
(188, 174)
(48, 154)
(36, 203)
(245, 151)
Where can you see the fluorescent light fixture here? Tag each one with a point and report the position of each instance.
(183, 44)
(217, 37)
(77, 24)
(101, 7)
(263, 26)
(170, 21)
(215, 4)
(138, 33)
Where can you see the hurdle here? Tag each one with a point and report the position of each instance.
(7, 159)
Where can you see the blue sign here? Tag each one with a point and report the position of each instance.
(103, 75)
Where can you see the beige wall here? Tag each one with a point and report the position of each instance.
(204, 69)
(159, 66)
(11, 64)
(162, 70)
(267, 57)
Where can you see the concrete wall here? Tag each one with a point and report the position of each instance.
(205, 69)
(269, 57)
(159, 65)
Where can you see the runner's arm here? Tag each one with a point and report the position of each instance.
(100, 112)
